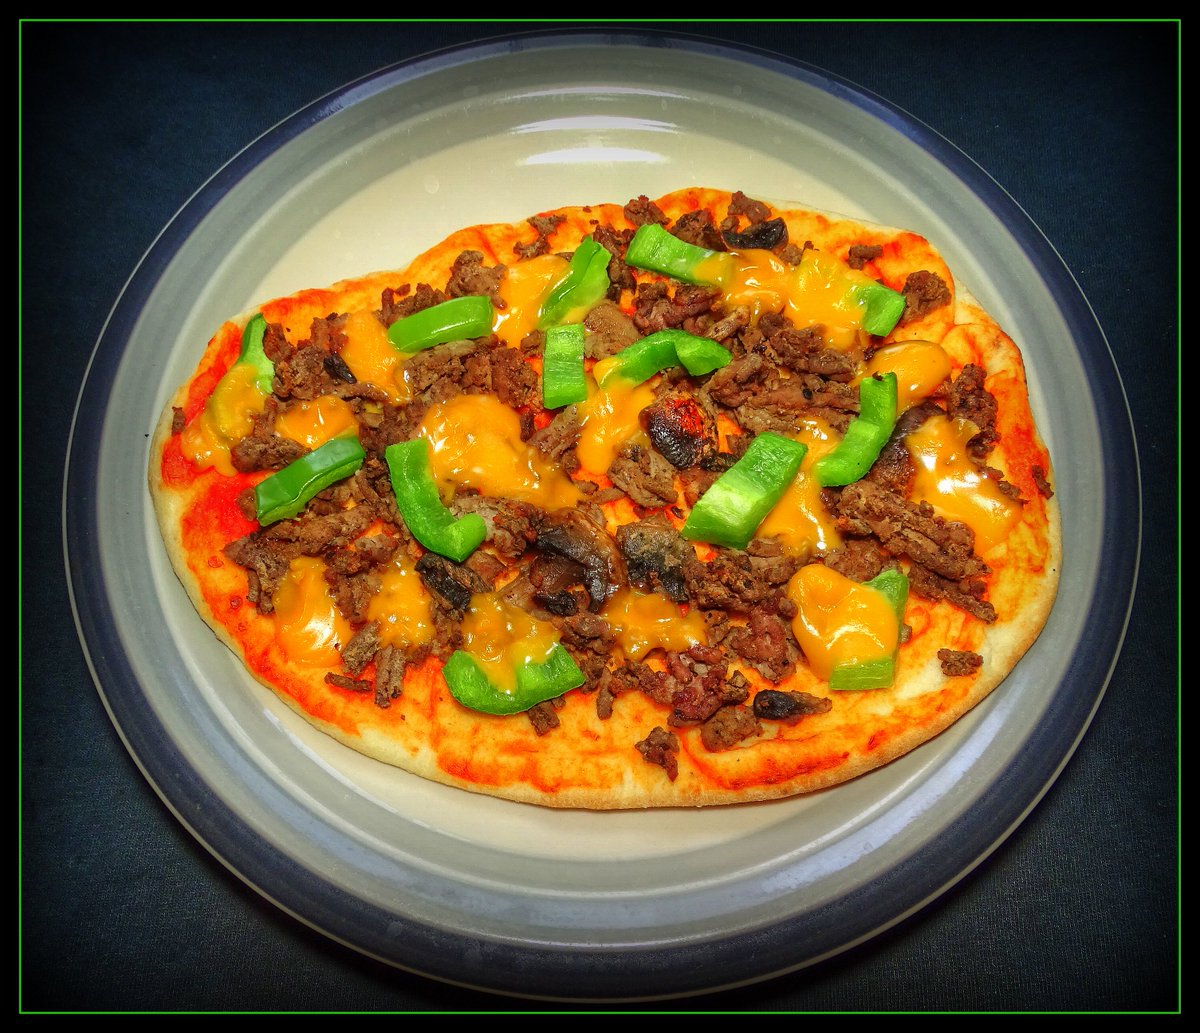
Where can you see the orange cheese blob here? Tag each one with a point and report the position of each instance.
(401, 606)
(312, 423)
(309, 628)
(840, 621)
(523, 290)
(609, 419)
(502, 638)
(921, 367)
(475, 442)
(642, 621)
(226, 418)
(372, 357)
(957, 489)
(814, 292)
(800, 520)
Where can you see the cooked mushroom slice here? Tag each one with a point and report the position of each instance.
(569, 533)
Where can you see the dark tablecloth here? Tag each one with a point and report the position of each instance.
(122, 909)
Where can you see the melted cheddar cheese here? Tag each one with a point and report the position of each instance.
(502, 638)
(309, 627)
(839, 621)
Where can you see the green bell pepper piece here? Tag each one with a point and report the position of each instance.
(253, 355)
(585, 283)
(286, 492)
(657, 351)
(879, 673)
(655, 249)
(563, 379)
(417, 498)
(536, 682)
(459, 319)
(739, 500)
(882, 307)
(868, 432)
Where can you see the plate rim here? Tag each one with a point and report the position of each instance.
(593, 975)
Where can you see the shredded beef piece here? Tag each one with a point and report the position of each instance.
(608, 330)
(861, 254)
(616, 243)
(656, 554)
(276, 346)
(734, 580)
(793, 253)
(511, 524)
(178, 419)
(559, 437)
(327, 334)
(543, 226)
(542, 717)
(655, 308)
(266, 553)
(946, 547)
(641, 211)
(360, 650)
(859, 559)
(728, 325)
(303, 374)
(805, 352)
(970, 400)
(737, 383)
(766, 643)
(727, 727)
(644, 475)
(966, 593)
(1039, 479)
(741, 205)
(469, 276)
(956, 662)
(342, 682)
(695, 481)
(452, 582)
(779, 407)
(262, 448)
(570, 533)
(681, 427)
(923, 292)
(385, 424)
(354, 574)
(697, 685)
(485, 366)
(389, 303)
(589, 640)
(660, 747)
(389, 675)
(697, 228)
(396, 305)
(790, 707)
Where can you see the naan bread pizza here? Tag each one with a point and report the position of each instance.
(677, 502)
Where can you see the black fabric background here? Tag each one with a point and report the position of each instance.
(121, 909)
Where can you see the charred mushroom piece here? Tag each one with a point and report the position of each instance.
(454, 583)
(682, 430)
(776, 705)
(656, 555)
(569, 533)
(768, 234)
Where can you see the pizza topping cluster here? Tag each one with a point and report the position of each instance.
(583, 510)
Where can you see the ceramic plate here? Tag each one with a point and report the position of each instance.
(508, 897)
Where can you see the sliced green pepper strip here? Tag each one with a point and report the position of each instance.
(286, 492)
(879, 673)
(468, 684)
(865, 437)
(882, 307)
(253, 355)
(585, 283)
(655, 249)
(417, 498)
(459, 319)
(563, 379)
(665, 348)
(739, 500)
